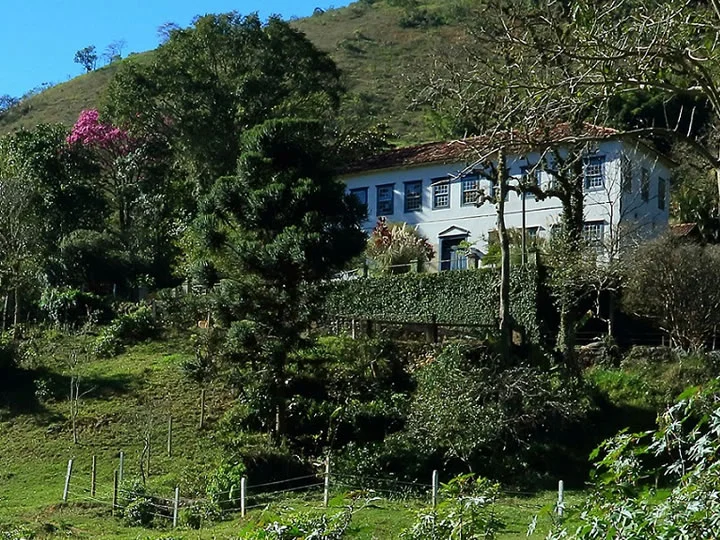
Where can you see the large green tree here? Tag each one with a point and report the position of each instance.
(209, 83)
(281, 224)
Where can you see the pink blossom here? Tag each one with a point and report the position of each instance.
(89, 131)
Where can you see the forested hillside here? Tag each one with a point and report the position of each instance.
(382, 47)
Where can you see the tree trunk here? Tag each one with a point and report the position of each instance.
(505, 320)
(16, 312)
(5, 310)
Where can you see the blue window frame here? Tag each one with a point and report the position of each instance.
(470, 190)
(593, 172)
(361, 194)
(386, 200)
(441, 194)
(413, 196)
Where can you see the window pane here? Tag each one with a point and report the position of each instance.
(441, 195)
(385, 200)
(593, 171)
(661, 194)
(413, 196)
(470, 190)
(361, 194)
(645, 184)
(626, 174)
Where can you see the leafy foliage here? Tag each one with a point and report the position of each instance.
(465, 511)
(467, 297)
(687, 439)
(674, 283)
(495, 414)
(393, 247)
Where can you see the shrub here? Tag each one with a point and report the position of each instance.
(179, 310)
(465, 511)
(319, 527)
(393, 247)
(72, 306)
(126, 329)
(224, 484)
(477, 413)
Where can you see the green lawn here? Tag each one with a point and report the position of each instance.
(128, 396)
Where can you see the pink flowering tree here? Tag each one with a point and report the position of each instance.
(119, 158)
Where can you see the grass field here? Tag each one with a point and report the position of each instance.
(134, 394)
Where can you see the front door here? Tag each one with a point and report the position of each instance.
(451, 256)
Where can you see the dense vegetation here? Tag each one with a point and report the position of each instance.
(180, 245)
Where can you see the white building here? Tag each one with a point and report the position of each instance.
(626, 186)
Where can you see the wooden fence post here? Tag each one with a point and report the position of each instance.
(202, 408)
(434, 484)
(326, 491)
(169, 437)
(243, 494)
(66, 491)
(121, 467)
(176, 505)
(116, 481)
(561, 498)
(93, 476)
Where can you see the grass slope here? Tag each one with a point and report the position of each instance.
(125, 396)
(380, 60)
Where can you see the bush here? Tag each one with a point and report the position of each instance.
(224, 484)
(479, 414)
(319, 527)
(182, 311)
(124, 330)
(72, 306)
(465, 511)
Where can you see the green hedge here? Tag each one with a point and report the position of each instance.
(458, 297)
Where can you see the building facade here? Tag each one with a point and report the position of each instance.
(435, 188)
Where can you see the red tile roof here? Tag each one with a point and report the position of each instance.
(473, 148)
(682, 230)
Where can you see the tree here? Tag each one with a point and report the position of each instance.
(675, 284)
(131, 172)
(211, 82)
(113, 52)
(87, 58)
(283, 223)
(19, 239)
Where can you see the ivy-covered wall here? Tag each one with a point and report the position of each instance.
(458, 297)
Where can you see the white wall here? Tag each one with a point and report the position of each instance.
(607, 204)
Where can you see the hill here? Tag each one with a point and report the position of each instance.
(381, 47)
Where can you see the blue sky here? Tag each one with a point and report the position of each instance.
(39, 38)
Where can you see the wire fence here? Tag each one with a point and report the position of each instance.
(130, 499)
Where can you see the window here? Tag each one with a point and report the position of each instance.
(361, 194)
(645, 184)
(452, 255)
(593, 232)
(385, 199)
(532, 233)
(627, 174)
(661, 193)
(441, 194)
(530, 177)
(413, 196)
(593, 172)
(470, 190)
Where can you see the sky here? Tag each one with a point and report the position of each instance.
(39, 38)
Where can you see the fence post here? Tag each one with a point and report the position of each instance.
(202, 408)
(326, 493)
(115, 491)
(561, 496)
(120, 468)
(243, 494)
(431, 330)
(434, 488)
(176, 505)
(93, 476)
(352, 329)
(169, 438)
(67, 480)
